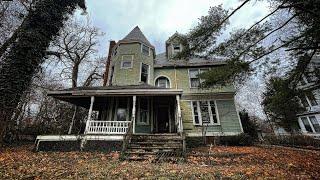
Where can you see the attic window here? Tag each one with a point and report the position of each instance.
(176, 48)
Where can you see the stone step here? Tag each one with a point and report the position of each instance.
(155, 138)
(155, 147)
(156, 142)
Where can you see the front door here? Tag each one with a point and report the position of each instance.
(162, 119)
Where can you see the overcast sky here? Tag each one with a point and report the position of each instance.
(159, 19)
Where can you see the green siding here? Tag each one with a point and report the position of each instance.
(229, 121)
(179, 79)
(130, 76)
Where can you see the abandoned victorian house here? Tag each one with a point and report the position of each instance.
(151, 101)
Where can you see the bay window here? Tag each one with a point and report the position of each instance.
(204, 113)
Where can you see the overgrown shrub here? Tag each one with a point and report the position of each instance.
(249, 126)
(292, 140)
(239, 140)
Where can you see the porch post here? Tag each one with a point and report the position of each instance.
(180, 126)
(89, 114)
(133, 121)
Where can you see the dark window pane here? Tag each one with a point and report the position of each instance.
(204, 112)
(213, 110)
(195, 112)
(306, 124)
(315, 123)
(144, 73)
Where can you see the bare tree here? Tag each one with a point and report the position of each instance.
(76, 46)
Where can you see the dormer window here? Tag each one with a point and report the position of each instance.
(176, 48)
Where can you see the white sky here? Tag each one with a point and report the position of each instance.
(159, 19)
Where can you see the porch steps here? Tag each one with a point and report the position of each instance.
(155, 147)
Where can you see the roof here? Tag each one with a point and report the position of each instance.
(143, 89)
(136, 35)
(162, 61)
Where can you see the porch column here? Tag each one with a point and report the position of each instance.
(133, 121)
(180, 125)
(89, 114)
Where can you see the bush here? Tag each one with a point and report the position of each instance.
(239, 140)
(292, 140)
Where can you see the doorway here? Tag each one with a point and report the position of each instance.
(163, 119)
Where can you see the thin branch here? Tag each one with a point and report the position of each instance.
(283, 45)
(264, 37)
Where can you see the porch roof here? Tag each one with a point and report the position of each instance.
(81, 95)
(141, 90)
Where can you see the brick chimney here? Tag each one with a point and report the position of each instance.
(106, 73)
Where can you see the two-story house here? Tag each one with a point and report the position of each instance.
(151, 94)
(309, 121)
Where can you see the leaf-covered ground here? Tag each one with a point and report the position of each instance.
(233, 162)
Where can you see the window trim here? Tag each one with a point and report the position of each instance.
(122, 61)
(155, 81)
(210, 113)
(310, 123)
(199, 69)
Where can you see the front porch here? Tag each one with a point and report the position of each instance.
(113, 111)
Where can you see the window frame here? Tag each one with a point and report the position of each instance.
(123, 61)
(210, 113)
(176, 51)
(148, 74)
(168, 84)
(200, 80)
(149, 50)
(310, 123)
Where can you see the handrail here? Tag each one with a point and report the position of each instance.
(126, 138)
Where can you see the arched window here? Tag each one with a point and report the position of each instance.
(163, 82)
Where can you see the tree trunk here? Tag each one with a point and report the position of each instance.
(75, 71)
(26, 53)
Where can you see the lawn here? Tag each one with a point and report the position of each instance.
(202, 163)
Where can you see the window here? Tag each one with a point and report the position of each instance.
(195, 80)
(144, 73)
(145, 50)
(126, 62)
(306, 124)
(163, 82)
(122, 109)
(144, 111)
(204, 113)
(311, 124)
(176, 48)
(315, 123)
(311, 98)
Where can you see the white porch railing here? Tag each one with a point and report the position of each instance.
(107, 127)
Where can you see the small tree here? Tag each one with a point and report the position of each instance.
(249, 126)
